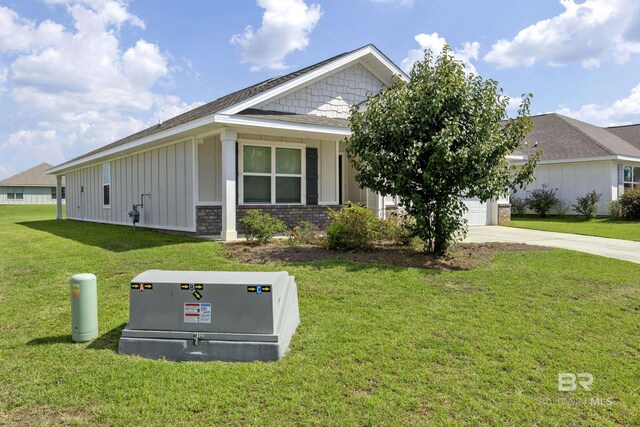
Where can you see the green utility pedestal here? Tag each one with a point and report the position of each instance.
(84, 307)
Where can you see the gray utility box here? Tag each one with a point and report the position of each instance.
(210, 315)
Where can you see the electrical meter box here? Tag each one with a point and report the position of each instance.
(210, 315)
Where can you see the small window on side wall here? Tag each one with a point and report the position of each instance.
(106, 185)
(11, 196)
(53, 193)
(631, 177)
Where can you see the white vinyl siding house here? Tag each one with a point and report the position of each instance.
(578, 158)
(31, 187)
(276, 146)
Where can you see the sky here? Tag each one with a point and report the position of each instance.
(79, 74)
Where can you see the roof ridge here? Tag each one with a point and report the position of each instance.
(622, 126)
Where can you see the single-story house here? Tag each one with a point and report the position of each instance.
(579, 157)
(31, 187)
(276, 146)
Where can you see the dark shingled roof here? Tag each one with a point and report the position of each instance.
(36, 176)
(561, 137)
(630, 133)
(294, 118)
(215, 106)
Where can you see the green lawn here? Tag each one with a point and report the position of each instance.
(602, 227)
(16, 213)
(377, 345)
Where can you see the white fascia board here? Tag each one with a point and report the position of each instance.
(228, 120)
(308, 78)
(590, 159)
(64, 167)
(517, 157)
(382, 58)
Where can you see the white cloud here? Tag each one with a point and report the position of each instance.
(435, 43)
(586, 33)
(76, 87)
(286, 25)
(620, 112)
(406, 3)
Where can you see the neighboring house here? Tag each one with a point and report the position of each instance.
(276, 146)
(31, 187)
(579, 157)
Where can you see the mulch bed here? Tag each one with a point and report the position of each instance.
(463, 256)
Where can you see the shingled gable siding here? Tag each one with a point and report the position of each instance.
(209, 218)
(331, 97)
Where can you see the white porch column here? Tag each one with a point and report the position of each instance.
(58, 196)
(228, 140)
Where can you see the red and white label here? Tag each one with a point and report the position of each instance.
(197, 312)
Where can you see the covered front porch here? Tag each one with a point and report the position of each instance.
(295, 176)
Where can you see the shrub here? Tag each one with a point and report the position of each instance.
(630, 204)
(260, 227)
(541, 200)
(305, 233)
(518, 205)
(615, 210)
(354, 227)
(561, 207)
(587, 205)
(398, 228)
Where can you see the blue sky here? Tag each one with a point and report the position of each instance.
(77, 74)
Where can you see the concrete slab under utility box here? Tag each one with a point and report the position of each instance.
(211, 315)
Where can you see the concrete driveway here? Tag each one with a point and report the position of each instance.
(613, 248)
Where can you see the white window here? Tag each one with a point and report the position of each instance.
(631, 177)
(106, 185)
(272, 174)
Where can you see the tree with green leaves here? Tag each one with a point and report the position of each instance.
(440, 137)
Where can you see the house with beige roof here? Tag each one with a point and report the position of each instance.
(31, 187)
(277, 146)
(579, 157)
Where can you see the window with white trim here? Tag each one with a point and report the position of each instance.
(631, 177)
(106, 185)
(271, 174)
(54, 193)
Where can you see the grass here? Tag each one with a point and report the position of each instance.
(601, 227)
(15, 213)
(377, 345)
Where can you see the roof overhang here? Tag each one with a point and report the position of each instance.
(588, 159)
(186, 130)
(301, 129)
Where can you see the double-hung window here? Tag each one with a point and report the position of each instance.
(631, 177)
(271, 174)
(106, 185)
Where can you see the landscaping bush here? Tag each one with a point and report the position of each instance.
(518, 205)
(561, 207)
(615, 211)
(305, 233)
(630, 204)
(587, 205)
(354, 227)
(398, 228)
(541, 200)
(260, 227)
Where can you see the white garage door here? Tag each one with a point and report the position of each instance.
(477, 213)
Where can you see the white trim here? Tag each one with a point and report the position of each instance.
(280, 125)
(309, 77)
(139, 225)
(208, 204)
(588, 159)
(196, 178)
(273, 145)
(203, 121)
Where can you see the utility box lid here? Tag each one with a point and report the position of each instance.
(258, 307)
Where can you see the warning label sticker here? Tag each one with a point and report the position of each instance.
(197, 312)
